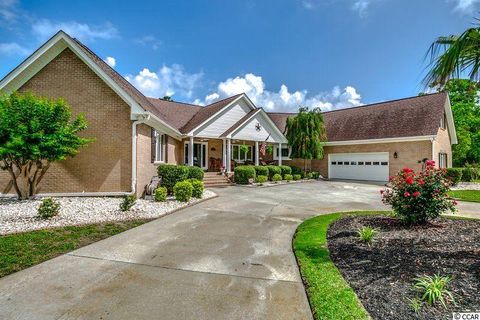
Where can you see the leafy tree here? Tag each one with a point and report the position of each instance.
(167, 98)
(34, 132)
(306, 134)
(454, 55)
(463, 95)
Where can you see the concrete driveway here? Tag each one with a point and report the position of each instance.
(226, 258)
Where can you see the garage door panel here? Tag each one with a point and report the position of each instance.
(359, 166)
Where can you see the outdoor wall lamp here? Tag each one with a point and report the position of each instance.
(395, 155)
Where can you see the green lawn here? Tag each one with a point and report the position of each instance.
(465, 195)
(22, 250)
(329, 294)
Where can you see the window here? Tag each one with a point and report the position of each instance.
(384, 163)
(361, 163)
(158, 143)
(368, 163)
(334, 162)
(346, 163)
(442, 160)
(285, 153)
(340, 163)
(241, 156)
(353, 163)
(443, 121)
(376, 163)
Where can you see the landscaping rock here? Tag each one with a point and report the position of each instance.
(20, 216)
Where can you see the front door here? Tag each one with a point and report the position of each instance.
(199, 154)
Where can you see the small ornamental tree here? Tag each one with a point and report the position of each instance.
(34, 132)
(306, 135)
(418, 197)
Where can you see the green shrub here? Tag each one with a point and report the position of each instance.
(308, 175)
(277, 177)
(297, 177)
(198, 187)
(170, 174)
(128, 202)
(242, 174)
(273, 170)
(195, 173)
(183, 190)
(160, 194)
(434, 289)
(296, 170)
(285, 170)
(262, 179)
(261, 171)
(367, 234)
(455, 175)
(288, 177)
(315, 175)
(469, 173)
(48, 208)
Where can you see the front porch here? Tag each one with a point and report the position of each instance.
(212, 154)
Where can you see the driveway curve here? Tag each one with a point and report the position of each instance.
(227, 258)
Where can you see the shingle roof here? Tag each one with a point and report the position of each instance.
(206, 112)
(177, 114)
(409, 117)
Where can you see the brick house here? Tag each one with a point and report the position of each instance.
(134, 134)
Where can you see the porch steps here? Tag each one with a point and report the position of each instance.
(213, 180)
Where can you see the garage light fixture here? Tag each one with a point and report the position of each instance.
(395, 155)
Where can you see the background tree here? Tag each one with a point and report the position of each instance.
(34, 132)
(463, 95)
(306, 134)
(454, 56)
(167, 98)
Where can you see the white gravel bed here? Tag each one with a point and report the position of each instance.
(467, 186)
(19, 216)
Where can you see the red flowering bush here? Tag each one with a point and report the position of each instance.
(419, 197)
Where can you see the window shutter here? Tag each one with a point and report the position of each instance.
(152, 148)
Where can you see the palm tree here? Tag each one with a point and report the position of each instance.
(306, 134)
(454, 55)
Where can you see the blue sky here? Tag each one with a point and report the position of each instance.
(283, 53)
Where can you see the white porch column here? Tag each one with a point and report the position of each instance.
(190, 152)
(229, 156)
(224, 154)
(279, 154)
(257, 162)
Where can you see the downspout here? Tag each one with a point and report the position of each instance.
(432, 140)
(140, 119)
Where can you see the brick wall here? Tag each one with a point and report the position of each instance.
(105, 164)
(442, 144)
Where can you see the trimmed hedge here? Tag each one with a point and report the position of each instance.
(277, 177)
(243, 173)
(455, 174)
(288, 177)
(183, 190)
(48, 208)
(285, 170)
(296, 170)
(308, 175)
(469, 174)
(161, 194)
(198, 187)
(297, 177)
(170, 174)
(195, 173)
(273, 170)
(262, 179)
(315, 174)
(128, 202)
(261, 170)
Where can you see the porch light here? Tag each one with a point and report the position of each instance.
(395, 155)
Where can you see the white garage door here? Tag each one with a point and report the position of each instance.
(358, 166)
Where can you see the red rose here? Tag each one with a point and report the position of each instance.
(430, 163)
(409, 180)
(382, 191)
(421, 182)
(407, 170)
(406, 194)
(455, 202)
(416, 194)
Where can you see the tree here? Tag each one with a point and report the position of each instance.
(34, 132)
(306, 134)
(167, 98)
(454, 55)
(463, 95)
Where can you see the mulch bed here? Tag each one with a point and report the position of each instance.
(382, 274)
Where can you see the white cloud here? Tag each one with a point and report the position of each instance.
(13, 48)
(8, 10)
(283, 100)
(361, 7)
(151, 41)
(308, 4)
(168, 81)
(111, 61)
(45, 28)
(465, 6)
